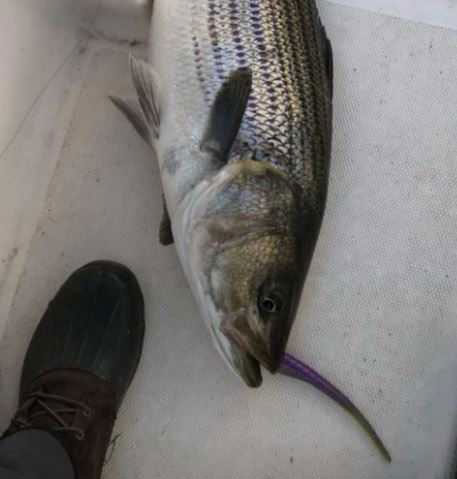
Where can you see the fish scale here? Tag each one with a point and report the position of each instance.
(288, 119)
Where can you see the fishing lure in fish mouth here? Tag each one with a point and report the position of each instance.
(294, 368)
(236, 102)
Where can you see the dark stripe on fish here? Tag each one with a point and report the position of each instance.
(287, 121)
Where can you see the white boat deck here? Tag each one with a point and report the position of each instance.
(379, 310)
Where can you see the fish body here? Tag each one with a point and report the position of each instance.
(236, 99)
(196, 44)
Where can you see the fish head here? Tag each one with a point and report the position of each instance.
(258, 300)
(248, 261)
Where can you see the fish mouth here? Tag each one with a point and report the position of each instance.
(244, 363)
(249, 368)
(260, 351)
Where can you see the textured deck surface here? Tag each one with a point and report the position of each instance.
(379, 311)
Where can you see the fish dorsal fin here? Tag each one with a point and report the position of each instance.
(329, 58)
(227, 114)
(328, 55)
(146, 82)
(133, 113)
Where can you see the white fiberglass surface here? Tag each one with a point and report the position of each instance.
(378, 313)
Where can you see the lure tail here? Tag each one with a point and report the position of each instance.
(294, 368)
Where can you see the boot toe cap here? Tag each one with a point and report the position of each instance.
(95, 323)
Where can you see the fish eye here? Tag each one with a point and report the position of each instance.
(270, 303)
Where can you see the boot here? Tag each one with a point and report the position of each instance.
(80, 362)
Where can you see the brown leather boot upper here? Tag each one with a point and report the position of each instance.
(78, 408)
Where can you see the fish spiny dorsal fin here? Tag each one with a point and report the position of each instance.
(327, 52)
(227, 114)
(329, 60)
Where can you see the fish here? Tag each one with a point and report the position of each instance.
(235, 100)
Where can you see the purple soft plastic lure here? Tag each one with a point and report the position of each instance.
(294, 368)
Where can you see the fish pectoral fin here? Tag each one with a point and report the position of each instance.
(132, 112)
(227, 114)
(165, 232)
(146, 82)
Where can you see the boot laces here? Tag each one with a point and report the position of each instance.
(60, 409)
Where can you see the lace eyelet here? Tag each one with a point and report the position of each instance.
(79, 435)
(87, 412)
